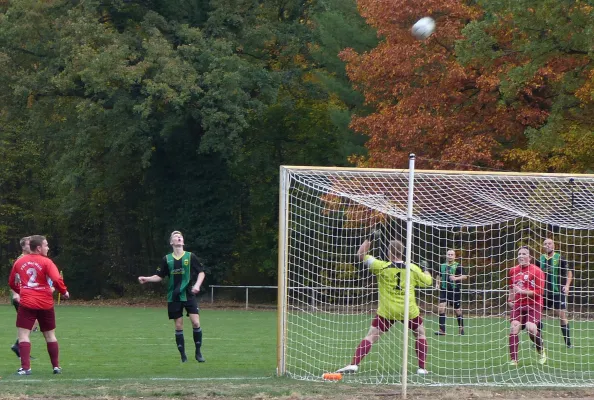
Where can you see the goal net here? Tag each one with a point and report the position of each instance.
(327, 298)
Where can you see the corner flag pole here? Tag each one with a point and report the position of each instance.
(59, 295)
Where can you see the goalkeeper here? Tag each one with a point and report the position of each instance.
(391, 276)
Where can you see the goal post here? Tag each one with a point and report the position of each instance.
(327, 298)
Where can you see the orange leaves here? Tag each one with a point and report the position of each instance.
(393, 18)
(586, 92)
(531, 116)
(423, 99)
(477, 88)
(30, 100)
(355, 215)
(426, 102)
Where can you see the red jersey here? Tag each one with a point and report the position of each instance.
(33, 271)
(529, 277)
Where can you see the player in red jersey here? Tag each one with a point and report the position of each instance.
(36, 300)
(526, 288)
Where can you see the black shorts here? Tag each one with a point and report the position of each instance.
(555, 301)
(451, 297)
(175, 309)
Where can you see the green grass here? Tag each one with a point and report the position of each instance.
(130, 352)
(116, 342)
(479, 357)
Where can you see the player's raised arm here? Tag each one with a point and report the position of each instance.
(149, 279)
(162, 272)
(437, 280)
(421, 275)
(363, 250)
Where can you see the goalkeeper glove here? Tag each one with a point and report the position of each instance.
(375, 235)
(423, 265)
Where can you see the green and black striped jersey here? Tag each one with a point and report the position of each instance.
(555, 269)
(182, 272)
(445, 270)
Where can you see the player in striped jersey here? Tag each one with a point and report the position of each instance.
(558, 277)
(449, 283)
(186, 275)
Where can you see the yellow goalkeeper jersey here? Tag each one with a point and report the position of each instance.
(391, 280)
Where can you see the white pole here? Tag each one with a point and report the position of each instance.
(282, 271)
(409, 227)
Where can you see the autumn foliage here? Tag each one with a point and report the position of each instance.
(426, 101)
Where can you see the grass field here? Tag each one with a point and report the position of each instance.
(120, 352)
(479, 357)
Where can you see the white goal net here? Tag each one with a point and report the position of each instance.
(328, 299)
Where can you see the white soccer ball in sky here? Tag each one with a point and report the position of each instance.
(423, 28)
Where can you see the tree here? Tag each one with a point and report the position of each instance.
(544, 57)
(336, 25)
(426, 102)
(153, 116)
(103, 90)
(21, 177)
(494, 79)
(306, 123)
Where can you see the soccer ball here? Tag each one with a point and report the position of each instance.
(423, 28)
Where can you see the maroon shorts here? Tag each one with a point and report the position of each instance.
(384, 324)
(26, 318)
(526, 313)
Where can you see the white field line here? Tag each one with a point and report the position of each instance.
(237, 378)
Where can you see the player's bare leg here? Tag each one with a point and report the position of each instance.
(421, 349)
(534, 334)
(362, 350)
(441, 310)
(540, 324)
(514, 341)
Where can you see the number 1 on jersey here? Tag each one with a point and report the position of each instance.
(398, 277)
